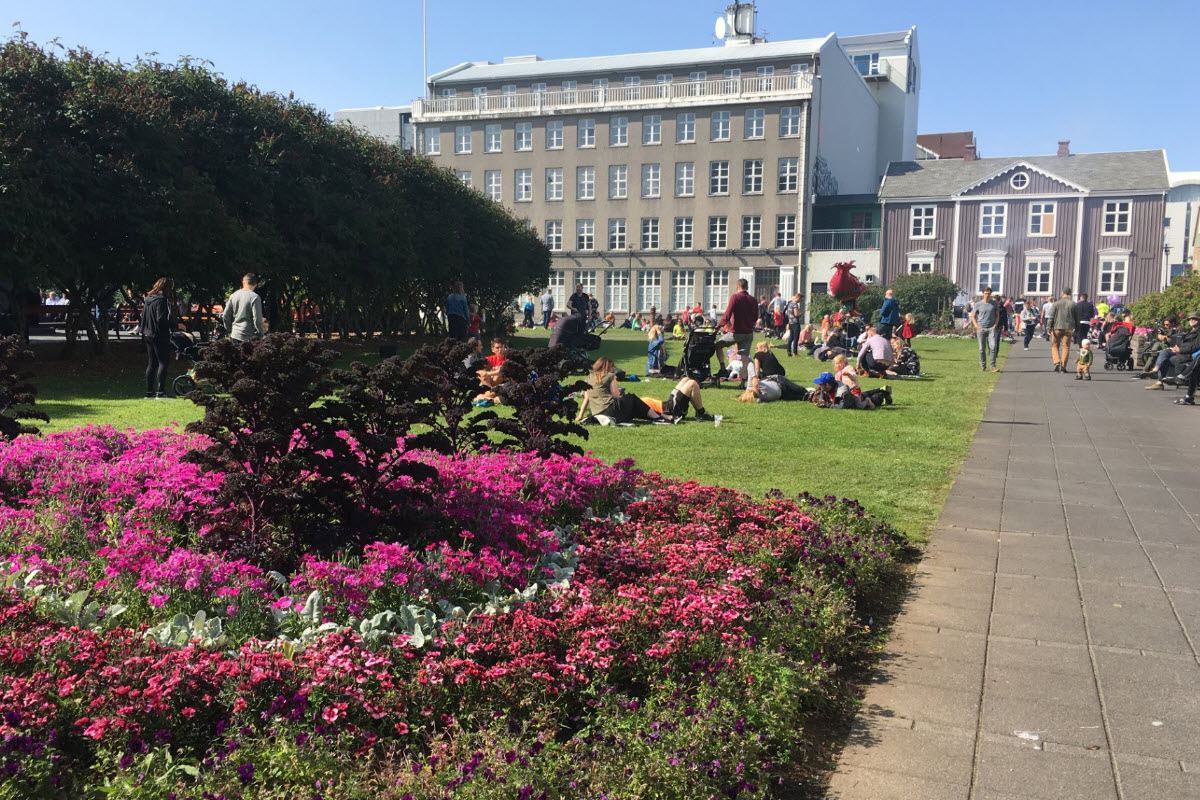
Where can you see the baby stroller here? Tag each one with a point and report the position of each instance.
(189, 350)
(698, 351)
(1118, 353)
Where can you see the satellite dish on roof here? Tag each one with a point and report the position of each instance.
(720, 29)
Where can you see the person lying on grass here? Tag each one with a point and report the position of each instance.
(607, 403)
(770, 388)
(854, 396)
(832, 394)
(685, 394)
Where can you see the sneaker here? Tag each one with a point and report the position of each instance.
(677, 420)
(1087, 377)
(1057, 368)
(995, 369)
(887, 394)
(151, 395)
(983, 369)
(1155, 385)
(1026, 348)
(663, 421)
(1078, 377)
(1185, 401)
(703, 416)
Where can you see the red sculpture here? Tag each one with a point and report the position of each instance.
(844, 287)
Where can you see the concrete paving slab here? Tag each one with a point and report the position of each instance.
(935, 756)
(931, 704)
(1099, 520)
(1137, 617)
(1050, 629)
(1148, 783)
(1151, 736)
(1017, 717)
(1062, 659)
(1036, 516)
(863, 783)
(1113, 562)
(1053, 776)
(959, 676)
(1022, 488)
(949, 644)
(1178, 566)
(940, 615)
(1043, 556)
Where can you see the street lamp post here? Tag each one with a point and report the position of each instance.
(629, 279)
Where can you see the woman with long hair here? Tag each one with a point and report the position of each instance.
(655, 350)
(157, 322)
(605, 400)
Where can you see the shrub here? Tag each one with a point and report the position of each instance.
(442, 394)
(542, 417)
(928, 296)
(1180, 298)
(17, 392)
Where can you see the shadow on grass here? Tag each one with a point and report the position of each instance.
(80, 413)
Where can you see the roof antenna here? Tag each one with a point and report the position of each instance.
(425, 44)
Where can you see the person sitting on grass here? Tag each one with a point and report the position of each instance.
(678, 331)
(607, 403)
(876, 354)
(767, 365)
(685, 394)
(806, 339)
(854, 396)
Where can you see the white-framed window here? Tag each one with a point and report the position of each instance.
(537, 88)
(554, 239)
(718, 233)
(922, 222)
(508, 91)
(1116, 218)
(796, 69)
(685, 128)
(479, 91)
(558, 287)
(651, 180)
(523, 185)
(698, 75)
(785, 230)
(919, 264)
(751, 232)
(718, 177)
(789, 121)
(664, 77)
(449, 93)
(493, 184)
(464, 176)
(523, 136)
(649, 233)
(716, 288)
(433, 141)
(766, 73)
(617, 240)
(649, 289)
(1037, 275)
(554, 183)
(752, 176)
(685, 178)
(732, 74)
(867, 64)
(618, 182)
(569, 91)
(989, 272)
(586, 133)
(585, 235)
(585, 183)
(683, 233)
(462, 139)
(616, 290)
(633, 80)
(554, 134)
(599, 83)
(1042, 219)
(992, 219)
(1019, 180)
(789, 175)
(719, 126)
(755, 123)
(652, 129)
(683, 289)
(1113, 273)
(588, 278)
(491, 139)
(618, 132)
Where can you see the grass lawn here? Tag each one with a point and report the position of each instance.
(898, 461)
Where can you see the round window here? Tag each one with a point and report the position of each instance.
(1020, 180)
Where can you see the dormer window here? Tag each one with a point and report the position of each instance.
(1019, 181)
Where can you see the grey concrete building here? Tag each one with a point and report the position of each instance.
(393, 124)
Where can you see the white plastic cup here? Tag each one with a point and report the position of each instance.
(717, 420)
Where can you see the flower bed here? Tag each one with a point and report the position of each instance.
(560, 628)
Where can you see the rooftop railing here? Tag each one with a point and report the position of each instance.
(846, 239)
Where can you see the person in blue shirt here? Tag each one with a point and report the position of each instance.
(889, 314)
(458, 314)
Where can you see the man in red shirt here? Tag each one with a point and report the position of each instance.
(738, 322)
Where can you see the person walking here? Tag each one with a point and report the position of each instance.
(243, 314)
(1063, 321)
(889, 314)
(527, 322)
(985, 319)
(1029, 320)
(1046, 308)
(1085, 312)
(458, 313)
(738, 321)
(795, 321)
(157, 321)
(579, 302)
(547, 308)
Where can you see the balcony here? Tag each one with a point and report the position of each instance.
(846, 239)
(615, 98)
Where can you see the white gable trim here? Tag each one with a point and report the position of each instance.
(991, 253)
(1119, 252)
(1015, 166)
(1041, 252)
(921, 254)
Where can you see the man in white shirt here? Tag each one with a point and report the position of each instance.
(547, 308)
(1046, 307)
(243, 314)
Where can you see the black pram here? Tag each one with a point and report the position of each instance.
(698, 352)
(1118, 351)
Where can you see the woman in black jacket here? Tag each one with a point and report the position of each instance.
(157, 323)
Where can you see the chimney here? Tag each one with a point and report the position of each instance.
(1064, 147)
(969, 152)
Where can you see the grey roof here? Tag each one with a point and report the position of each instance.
(894, 37)
(482, 72)
(1131, 171)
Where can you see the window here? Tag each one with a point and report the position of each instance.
(554, 183)
(919, 264)
(867, 64)
(649, 233)
(587, 133)
(618, 182)
(523, 138)
(765, 72)
(789, 121)
(554, 234)
(479, 91)
(568, 91)
(1037, 276)
(652, 129)
(616, 290)
(1041, 219)
(599, 83)
(523, 179)
(796, 69)
(699, 75)
(585, 183)
(537, 88)
(685, 178)
(921, 224)
(618, 132)
(755, 123)
(1116, 218)
(649, 289)
(558, 285)
(633, 80)
(554, 135)
(616, 234)
(732, 74)
(664, 77)
(508, 92)
(1019, 181)
(462, 139)
(491, 139)
(716, 288)
(751, 232)
(449, 93)
(719, 127)
(492, 185)
(588, 278)
(651, 180)
(683, 233)
(685, 128)
(718, 233)
(785, 230)
(789, 174)
(1113, 270)
(683, 289)
(718, 177)
(433, 141)
(991, 219)
(585, 234)
(989, 274)
(752, 176)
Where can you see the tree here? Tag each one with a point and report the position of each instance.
(927, 295)
(1182, 297)
(17, 392)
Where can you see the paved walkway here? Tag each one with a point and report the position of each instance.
(1049, 646)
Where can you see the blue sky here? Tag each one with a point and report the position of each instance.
(1107, 75)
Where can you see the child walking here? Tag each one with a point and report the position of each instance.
(908, 330)
(1083, 365)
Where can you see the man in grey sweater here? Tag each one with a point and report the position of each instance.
(1064, 318)
(243, 315)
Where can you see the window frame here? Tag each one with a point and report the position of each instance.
(616, 290)
(461, 149)
(689, 179)
(922, 214)
(555, 126)
(520, 187)
(716, 289)
(580, 225)
(752, 232)
(1000, 212)
(523, 137)
(1041, 215)
(714, 176)
(1022, 177)
(560, 184)
(788, 181)
(749, 177)
(651, 230)
(651, 177)
(495, 193)
(919, 261)
(553, 235)
(757, 116)
(1043, 287)
(726, 124)
(718, 232)
(618, 125)
(618, 227)
(685, 226)
(1116, 214)
(585, 182)
(789, 115)
(464, 177)
(618, 176)
(989, 259)
(585, 134)
(1112, 259)
(433, 141)
(651, 130)
(785, 229)
(649, 285)
(493, 138)
(682, 281)
(685, 121)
